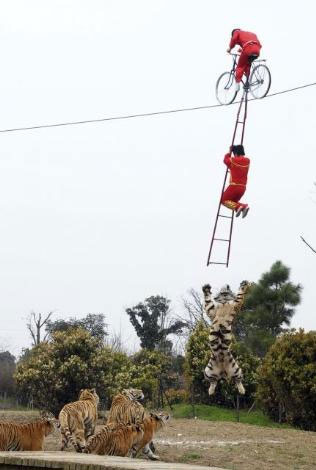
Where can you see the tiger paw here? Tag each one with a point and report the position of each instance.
(240, 388)
(206, 289)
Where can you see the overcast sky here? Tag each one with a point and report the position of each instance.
(97, 217)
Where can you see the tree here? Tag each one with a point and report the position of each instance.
(35, 324)
(193, 310)
(93, 323)
(153, 323)
(7, 368)
(287, 380)
(151, 372)
(268, 308)
(53, 372)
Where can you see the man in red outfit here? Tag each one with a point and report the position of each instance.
(249, 48)
(238, 166)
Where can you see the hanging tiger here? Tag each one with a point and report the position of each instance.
(26, 436)
(222, 364)
(115, 439)
(78, 419)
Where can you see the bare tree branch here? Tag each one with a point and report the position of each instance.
(193, 310)
(35, 325)
(308, 244)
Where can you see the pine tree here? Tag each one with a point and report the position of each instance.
(268, 309)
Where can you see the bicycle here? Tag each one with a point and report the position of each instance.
(258, 84)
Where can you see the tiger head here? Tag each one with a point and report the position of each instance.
(133, 394)
(245, 286)
(89, 394)
(225, 295)
(159, 419)
(50, 422)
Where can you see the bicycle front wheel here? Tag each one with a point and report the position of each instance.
(226, 88)
(260, 81)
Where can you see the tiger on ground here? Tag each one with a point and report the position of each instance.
(151, 424)
(126, 409)
(26, 436)
(78, 419)
(222, 364)
(115, 439)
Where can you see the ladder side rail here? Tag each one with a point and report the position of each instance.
(216, 221)
(230, 239)
(245, 116)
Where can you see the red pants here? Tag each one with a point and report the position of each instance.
(231, 196)
(243, 66)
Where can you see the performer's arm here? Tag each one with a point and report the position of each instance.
(234, 40)
(228, 160)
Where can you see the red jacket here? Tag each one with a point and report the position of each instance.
(238, 167)
(242, 38)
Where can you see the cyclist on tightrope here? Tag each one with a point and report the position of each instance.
(249, 48)
(238, 166)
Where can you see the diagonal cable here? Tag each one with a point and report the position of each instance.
(149, 114)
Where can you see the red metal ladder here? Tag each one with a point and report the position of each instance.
(240, 121)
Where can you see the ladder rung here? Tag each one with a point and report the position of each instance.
(215, 262)
(226, 216)
(222, 239)
(240, 122)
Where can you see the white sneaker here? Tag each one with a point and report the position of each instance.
(237, 87)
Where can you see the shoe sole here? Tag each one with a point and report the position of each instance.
(245, 212)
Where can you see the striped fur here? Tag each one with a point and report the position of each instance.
(78, 419)
(151, 424)
(126, 408)
(222, 364)
(115, 439)
(27, 436)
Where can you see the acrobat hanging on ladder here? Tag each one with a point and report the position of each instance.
(238, 166)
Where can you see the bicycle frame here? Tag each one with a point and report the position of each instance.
(232, 72)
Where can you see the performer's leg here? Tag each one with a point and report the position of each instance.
(251, 50)
(231, 196)
(242, 65)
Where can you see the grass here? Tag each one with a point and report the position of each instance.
(217, 413)
(188, 456)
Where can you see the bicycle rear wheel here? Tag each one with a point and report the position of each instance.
(226, 88)
(260, 81)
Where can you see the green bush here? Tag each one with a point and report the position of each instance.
(177, 396)
(287, 380)
(150, 370)
(197, 356)
(53, 372)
